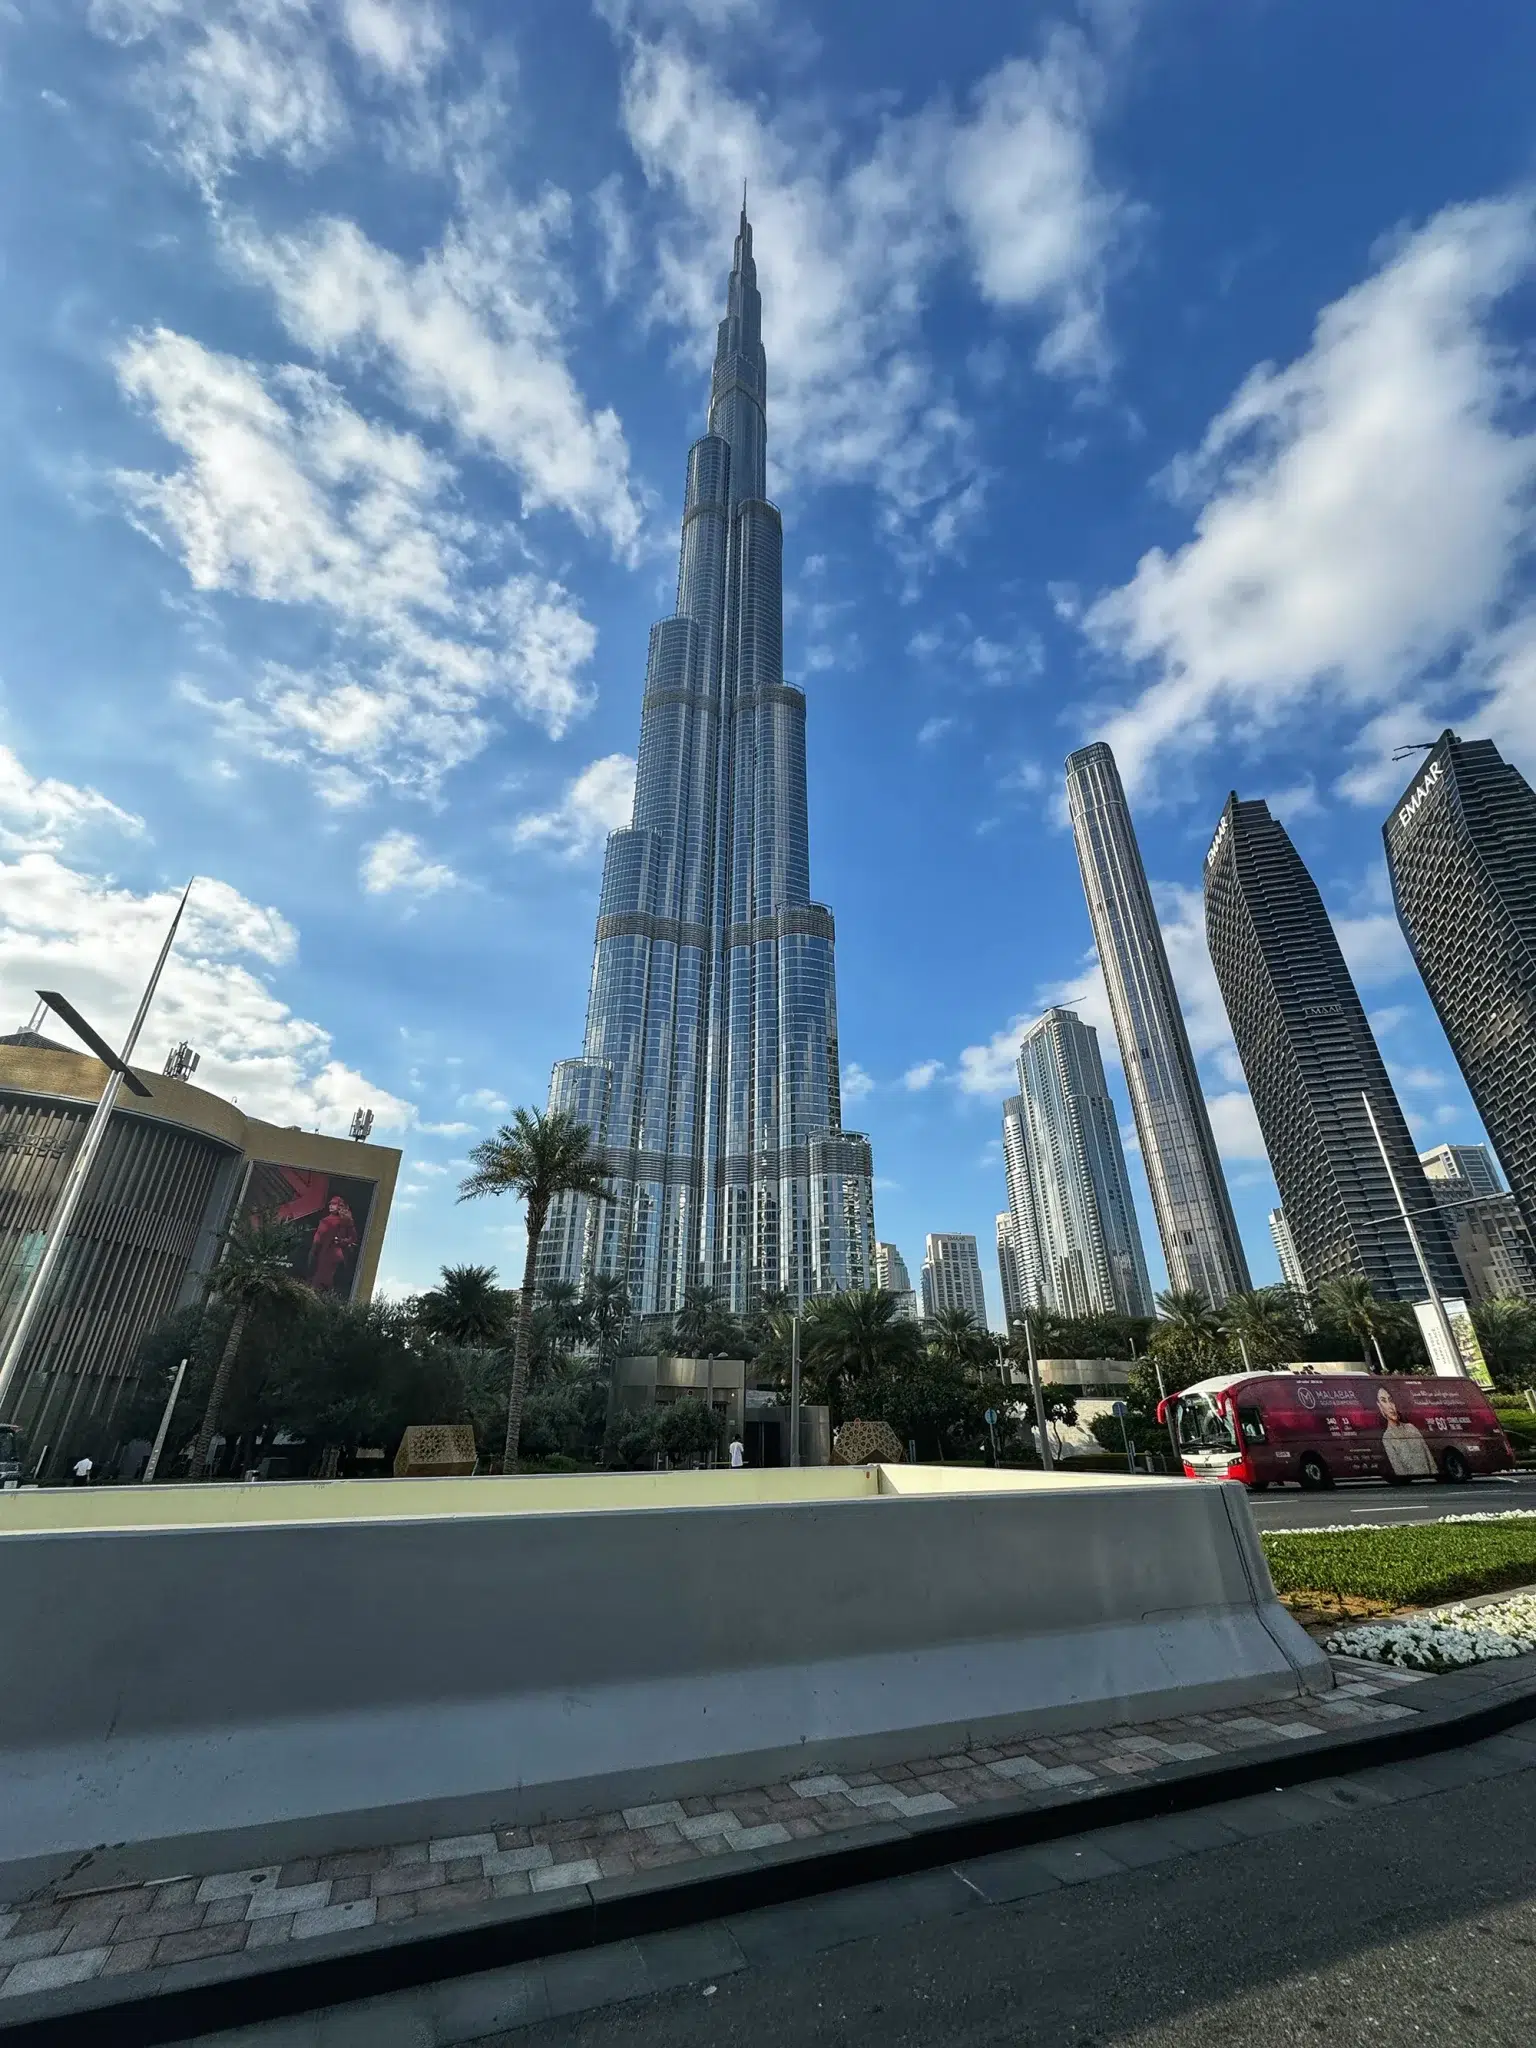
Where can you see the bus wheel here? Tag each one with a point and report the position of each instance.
(1314, 1474)
(1455, 1468)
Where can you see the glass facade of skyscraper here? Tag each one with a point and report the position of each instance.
(709, 1076)
(1189, 1190)
(1311, 1063)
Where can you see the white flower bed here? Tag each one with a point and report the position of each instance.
(1445, 1638)
(1354, 1528)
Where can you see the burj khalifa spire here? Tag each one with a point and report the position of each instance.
(709, 1077)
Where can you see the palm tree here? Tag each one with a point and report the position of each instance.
(704, 1327)
(956, 1338)
(256, 1268)
(1348, 1303)
(853, 1337)
(468, 1307)
(538, 1155)
(566, 1316)
(609, 1315)
(1506, 1329)
(1266, 1322)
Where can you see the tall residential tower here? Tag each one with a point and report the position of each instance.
(709, 1076)
(1189, 1190)
(1311, 1063)
(1461, 848)
(1076, 1240)
(951, 1275)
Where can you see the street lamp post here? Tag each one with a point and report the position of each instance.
(36, 1291)
(794, 1389)
(1453, 1349)
(1047, 1462)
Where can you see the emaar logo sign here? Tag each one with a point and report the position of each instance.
(1410, 810)
(1221, 833)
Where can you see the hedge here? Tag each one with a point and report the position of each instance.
(1409, 1564)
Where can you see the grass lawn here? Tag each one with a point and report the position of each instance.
(1406, 1566)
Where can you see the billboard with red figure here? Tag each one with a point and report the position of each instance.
(329, 1212)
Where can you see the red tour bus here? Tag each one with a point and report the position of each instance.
(1316, 1427)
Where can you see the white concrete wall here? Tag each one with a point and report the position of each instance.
(185, 1696)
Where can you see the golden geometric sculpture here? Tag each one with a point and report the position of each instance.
(436, 1450)
(866, 1443)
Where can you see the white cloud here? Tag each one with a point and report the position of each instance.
(471, 337)
(1039, 225)
(96, 940)
(1364, 513)
(38, 814)
(402, 40)
(288, 495)
(922, 1076)
(856, 1084)
(933, 729)
(486, 1099)
(853, 235)
(1374, 948)
(1235, 1125)
(397, 864)
(599, 801)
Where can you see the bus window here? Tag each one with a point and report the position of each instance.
(1202, 1425)
(1251, 1423)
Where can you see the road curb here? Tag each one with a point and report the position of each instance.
(214, 1997)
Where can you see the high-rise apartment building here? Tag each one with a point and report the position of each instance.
(952, 1275)
(1492, 1245)
(1461, 850)
(1311, 1064)
(891, 1277)
(709, 1075)
(1075, 1233)
(1203, 1251)
(1285, 1251)
(1472, 1166)
(1015, 1300)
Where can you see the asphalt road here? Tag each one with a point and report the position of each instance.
(1393, 1925)
(1373, 1503)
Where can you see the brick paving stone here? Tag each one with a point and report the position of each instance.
(652, 1816)
(225, 1912)
(336, 1919)
(577, 1852)
(647, 1858)
(464, 1867)
(453, 1898)
(616, 1863)
(700, 1827)
(176, 1891)
(801, 1827)
(513, 1838)
(51, 1973)
(26, 1948)
(302, 1870)
(515, 1885)
(407, 1877)
(409, 1853)
(232, 1884)
(353, 1863)
(456, 1848)
(695, 1806)
(90, 1930)
(295, 1898)
(270, 1933)
(199, 1943)
(7, 1923)
(126, 1957)
(863, 1778)
(346, 1891)
(559, 1875)
(506, 1862)
(170, 1920)
(38, 1919)
(764, 1837)
(397, 1906)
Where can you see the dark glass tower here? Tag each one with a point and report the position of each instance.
(1310, 1058)
(1461, 848)
(1178, 1149)
(709, 1076)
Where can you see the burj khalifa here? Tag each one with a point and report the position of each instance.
(709, 1076)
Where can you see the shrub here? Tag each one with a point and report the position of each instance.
(1408, 1565)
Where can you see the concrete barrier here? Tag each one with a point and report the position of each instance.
(185, 1690)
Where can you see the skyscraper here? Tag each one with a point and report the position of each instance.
(952, 1275)
(1310, 1060)
(1189, 1190)
(891, 1277)
(1015, 1300)
(709, 1075)
(1075, 1232)
(1493, 1246)
(1461, 849)
(1285, 1251)
(1470, 1165)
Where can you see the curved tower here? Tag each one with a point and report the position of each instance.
(709, 1076)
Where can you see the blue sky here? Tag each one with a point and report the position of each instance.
(1159, 372)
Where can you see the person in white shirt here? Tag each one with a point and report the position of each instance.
(738, 1454)
(83, 1470)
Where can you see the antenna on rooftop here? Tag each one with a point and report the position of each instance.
(181, 1062)
(362, 1125)
(1414, 747)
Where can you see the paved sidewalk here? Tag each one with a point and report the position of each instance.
(268, 1914)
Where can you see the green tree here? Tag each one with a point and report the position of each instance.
(1187, 1345)
(255, 1271)
(1268, 1323)
(539, 1155)
(934, 1402)
(705, 1328)
(466, 1307)
(609, 1314)
(955, 1337)
(1348, 1304)
(847, 1339)
(360, 1373)
(1506, 1330)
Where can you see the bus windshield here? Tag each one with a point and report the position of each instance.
(1202, 1425)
